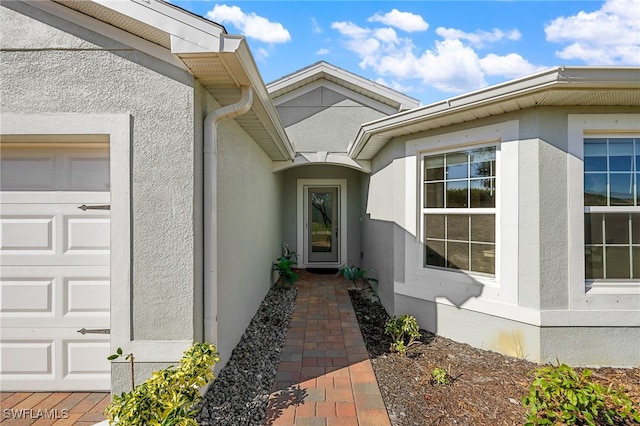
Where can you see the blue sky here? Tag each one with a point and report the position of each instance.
(431, 50)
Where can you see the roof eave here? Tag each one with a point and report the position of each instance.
(324, 70)
(191, 37)
(582, 78)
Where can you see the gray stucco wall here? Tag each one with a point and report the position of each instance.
(249, 231)
(543, 291)
(289, 204)
(60, 67)
(382, 238)
(323, 120)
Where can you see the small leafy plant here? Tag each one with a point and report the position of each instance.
(440, 376)
(558, 395)
(403, 330)
(355, 274)
(284, 265)
(170, 396)
(128, 357)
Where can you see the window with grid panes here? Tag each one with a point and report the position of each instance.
(459, 200)
(612, 210)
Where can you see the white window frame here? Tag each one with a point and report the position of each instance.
(490, 295)
(460, 210)
(594, 294)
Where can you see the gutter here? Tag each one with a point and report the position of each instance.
(552, 79)
(210, 207)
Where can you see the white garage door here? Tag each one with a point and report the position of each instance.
(54, 278)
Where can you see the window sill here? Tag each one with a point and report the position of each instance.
(612, 287)
(458, 276)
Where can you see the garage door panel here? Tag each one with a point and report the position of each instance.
(56, 359)
(27, 296)
(22, 357)
(86, 235)
(23, 234)
(55, 296)
(54, 234)
(87, 297)
(81, 355)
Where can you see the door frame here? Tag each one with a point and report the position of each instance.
(51, 130)
(302, 208)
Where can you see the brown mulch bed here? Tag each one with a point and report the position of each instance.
(487, 387)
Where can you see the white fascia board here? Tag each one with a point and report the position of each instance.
(171, 20)
(321, 69)
(234, 53)
(107, 30)
(578, 77)
(240, 63)
(280, 136)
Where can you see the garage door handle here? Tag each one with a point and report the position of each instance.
(84, 207)
(84, 331)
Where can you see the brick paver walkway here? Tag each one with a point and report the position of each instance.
(53, 408)
(325, 376)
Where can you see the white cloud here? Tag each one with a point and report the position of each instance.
(262, 53)
(386, 35)
(607, 36)
(479, 38)
(405, 21)
(315, 27)
(511, 65)
(322, 51)
(395, 85)
(250, 24)
(350, 29)
(451, 65)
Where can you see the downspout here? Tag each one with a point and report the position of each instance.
(210, 208)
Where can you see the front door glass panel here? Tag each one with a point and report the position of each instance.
(323, 227)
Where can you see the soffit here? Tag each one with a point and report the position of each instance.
(118, 20)
(221, 74)
(445, 114)
(213, 73)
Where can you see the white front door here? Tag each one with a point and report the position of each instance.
(322, 224)
(55, 269)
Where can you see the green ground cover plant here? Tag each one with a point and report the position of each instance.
(284, 265)
(404, 331)
(558, 395)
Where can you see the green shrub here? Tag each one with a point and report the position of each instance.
(171, 395)
(284, 265)
(558, 395)
(401, 329)
(354, 273)
(439, 376)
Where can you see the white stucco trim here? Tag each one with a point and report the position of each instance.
(323, 157)
(302, 185)
(116, 130)
(495, 296)
(622, 297)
